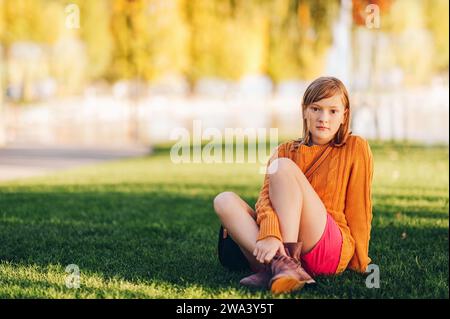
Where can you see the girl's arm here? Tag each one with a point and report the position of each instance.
(266, 217)
(358, 204)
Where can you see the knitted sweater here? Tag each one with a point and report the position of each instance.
(343, 182)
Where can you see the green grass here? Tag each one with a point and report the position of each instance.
(145, 228)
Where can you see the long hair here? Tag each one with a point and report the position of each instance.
(322, 88)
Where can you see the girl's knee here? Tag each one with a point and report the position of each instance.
(282, 166)
(223, 199)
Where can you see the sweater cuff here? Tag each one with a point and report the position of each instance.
(269, 227)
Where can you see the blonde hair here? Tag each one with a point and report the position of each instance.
(322, 88)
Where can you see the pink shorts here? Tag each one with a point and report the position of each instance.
(324, 258)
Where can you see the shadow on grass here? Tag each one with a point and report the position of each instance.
(430, 207)
(166, 237)
(140, 236)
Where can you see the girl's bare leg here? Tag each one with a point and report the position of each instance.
(301, 213)
(239, 220)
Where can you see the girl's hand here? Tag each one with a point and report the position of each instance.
(267, 248)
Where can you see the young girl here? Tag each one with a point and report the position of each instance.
(314, 212)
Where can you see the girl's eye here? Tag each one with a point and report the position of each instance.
(333, 111)
(315, 109)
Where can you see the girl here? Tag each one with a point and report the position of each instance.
(314, 212)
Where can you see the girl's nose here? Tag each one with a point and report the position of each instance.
(323, 118)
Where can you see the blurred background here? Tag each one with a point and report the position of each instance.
(127, 72)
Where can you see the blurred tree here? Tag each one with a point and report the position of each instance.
(130, 59)
(168, 38)
(246, 38)
(2, 73)
(129, 28)
(26, 21)
(149, 39)
(412, 44)
(286, 39)
(95, 33)
(437, 19)
(300, 33)
(212, 50)
(228, 39)
(283, 38)
(410, 26)
(2, 52)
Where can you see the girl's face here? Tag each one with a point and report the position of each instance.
(324, 118)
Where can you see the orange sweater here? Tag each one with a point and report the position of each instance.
(343, 182)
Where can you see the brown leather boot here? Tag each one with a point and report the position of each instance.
(287, 272)
(260, 279)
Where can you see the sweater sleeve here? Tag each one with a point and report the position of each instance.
(358, 204)
(266, 218)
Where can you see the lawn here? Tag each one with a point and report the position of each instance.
(145, 228)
